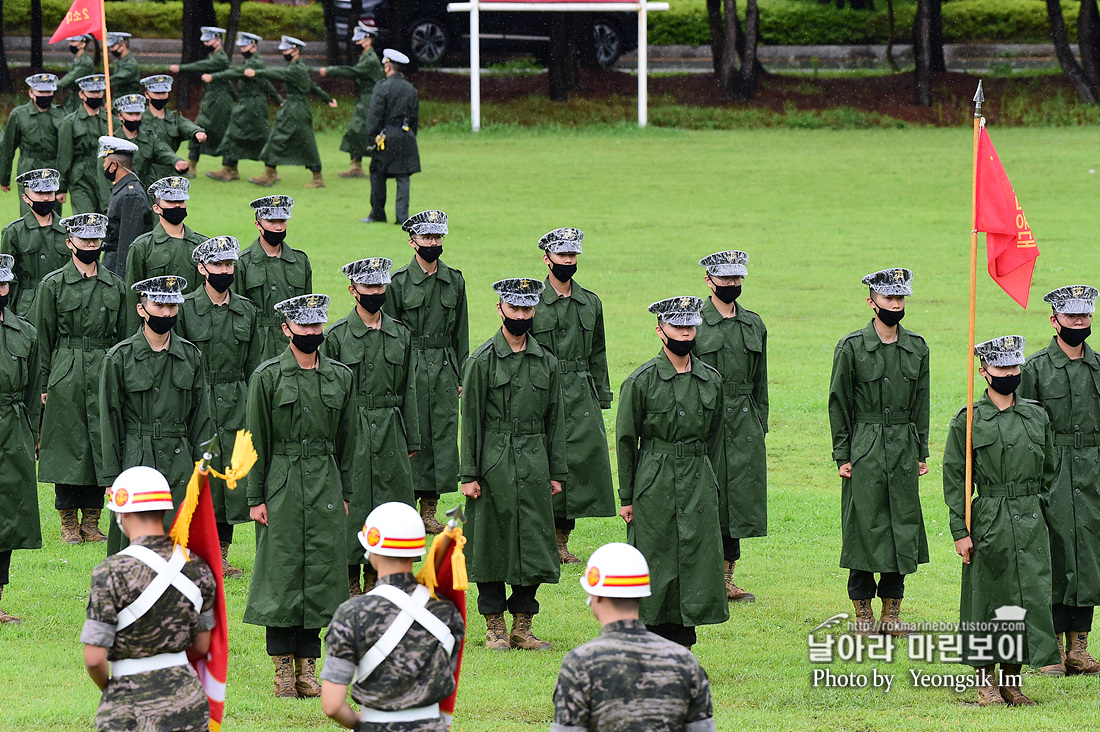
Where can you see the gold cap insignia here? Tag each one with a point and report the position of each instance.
(1009, 342)
(1078, 291)
(568, 234)
(170, 282)
(175, 182)
(524, 284)
(312, 301)
(432, 216)
(731, 257)
(899, 275)
(685, 302)
(45, 174)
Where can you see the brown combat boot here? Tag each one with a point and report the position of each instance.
(988, 693)
(1078, 658)
(864, 621)
(1056, 669)
(305, 681)
(268, 179)
(733, 592)
(5, 618)
(427, 513)
(354, 588)
(317, 182)
(355, 171)
(89, 526)
(192, 169)
(564, 555)
(522, 637)
(70, 526)
(496, 633)
(284, 677)
(226, 174)
(889, 624)
(1012, 694)
(228, 570)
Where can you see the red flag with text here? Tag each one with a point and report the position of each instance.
(84, 17)
(1010, 246)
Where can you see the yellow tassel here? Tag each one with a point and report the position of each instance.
(458, 563)
(427, 577)
(244, 457)
(181, 528)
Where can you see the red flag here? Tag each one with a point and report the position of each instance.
(1009, 244)
(445, 588)
(84, 17)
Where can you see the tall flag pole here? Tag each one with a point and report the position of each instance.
(88, 17)
(979, 99)
(106, 65)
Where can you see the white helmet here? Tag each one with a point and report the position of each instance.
(616, 570)
(394, 529)
(140, 488)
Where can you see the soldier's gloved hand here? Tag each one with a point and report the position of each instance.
(471, 489)
(627, 513)
(845, 470)
(922, 468)
(964, 547)
(555, 487)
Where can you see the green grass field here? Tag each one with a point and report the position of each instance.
(816, 211)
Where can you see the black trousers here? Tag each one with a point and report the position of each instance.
(862, 586)
(491, 599)
(731, 548)
(682, 634)
(5, 567)
(378, 197)
(67, 497)
(225, 532)
(565, 524)
(295, 641)
(1066, 618)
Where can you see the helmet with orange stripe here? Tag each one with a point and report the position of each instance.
(616, 570)
(394, 530)
(140, 488)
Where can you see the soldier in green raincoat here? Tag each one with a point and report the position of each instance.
(32, 130)
(569, 322)
(125, 74)
(166, 124)
(217, 99)
(83, 64)
(378, 350)
(301, 413)
(80, 308)
(513, 463)
(367, 72)
(20, 402)
(734, 341)
(223, 326)
(292, 141)
(154, 401)
(878, 410)
(37, 240)
(430, 299)
(1006, 548)
(153, 153)
(248, 128)
(667, 433)
(393, 119)
(271, 271)
(78, 147)
(1065, 378)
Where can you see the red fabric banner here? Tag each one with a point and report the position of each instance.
(445, 588)
(84, 17)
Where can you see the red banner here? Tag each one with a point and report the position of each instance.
(445, 588)
(84, 17)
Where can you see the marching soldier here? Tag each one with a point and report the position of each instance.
(128, 213)
(77, 145)
(217, 99)
(80, 309)
(402, 686)
(393, 119)
(168, 248)
(223, 326)
(141, 629)
(271, 271)
(878, 409)
(658, 684)
(20, 403)
(83, 64)
(37, 240)
(302, 419)
(378, 350)
(166, 124)
(248, 128)
(154, 402)
(512, 401)
(152, 152)
(292, 141)
(125, 75)
(367, 72)
(1061, 377)
(734, 341)
(32, 129)
(430, 299)
(668, 425)
(1005, 552)
(569, 322)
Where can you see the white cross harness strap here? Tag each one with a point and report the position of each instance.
(413, 609)
(168, 575)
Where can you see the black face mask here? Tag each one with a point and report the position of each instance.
(563, 272)
(43, 102)
(3, 301)
(430, 254)
(158, 103)
(220, 281)
(246, 54)
(116, 54)
(87, 256)
(1004, 385)
(1074, 337)
(274, 238)
(132, 124)
(680, 348)
(372, 303)
(727, 293)
(210, 50)
(890, 318)
(109, 174)
(174, 216)
(74, 50)
(161, 324)
(307, 343)
(517, 326)
(94, 102)
(42, 208)
(288, 57)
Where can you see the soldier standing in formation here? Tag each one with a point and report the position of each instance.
(569, 323)
(367, 72)
(37, 240)
(81, 311)
(669, 424)
(217, 100)
(378, 350)
(32, 129)
(302, 420)
(83, 64)
(223, 327)
(154, 402)
(292, 141)
(77, 144)
(1005, 551)
(399, 685)
(513, 463)
(271, 271)
(20, 404)
(430, 299)
(628, 679)
(248, 129)
(128, 213)
(152, 152)
(734, 341)
(1064, 377)
(393, 118)
(166, 124)
(137, 652)
(125, 75)
(878, 410)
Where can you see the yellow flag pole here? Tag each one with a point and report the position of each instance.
(979, 97)
(106, 65)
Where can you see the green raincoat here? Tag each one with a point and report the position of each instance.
(81, 170)
(20, 401)
(38, 250)
(173, 128)
(125, 76)
(267, 281)
(292, 141)
(34, 134)
(248, 128)
(367, 72)
(155, 255)
(217, 102)
(153, 154)
(83, 65)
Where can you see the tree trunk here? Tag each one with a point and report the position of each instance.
(749, 65)
(332, 40)
(563, 57)
(1085, 90)
(1088, 38)
(196, 13)
(5, 73)
(399, 33)
(717, 35)
(890, 25)
(232, 26)
(351, 49)
(731, 48)
(36, 35)
(936, 60)
(922, 52)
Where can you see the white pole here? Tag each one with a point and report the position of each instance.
(475, 66)
(642, 53)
